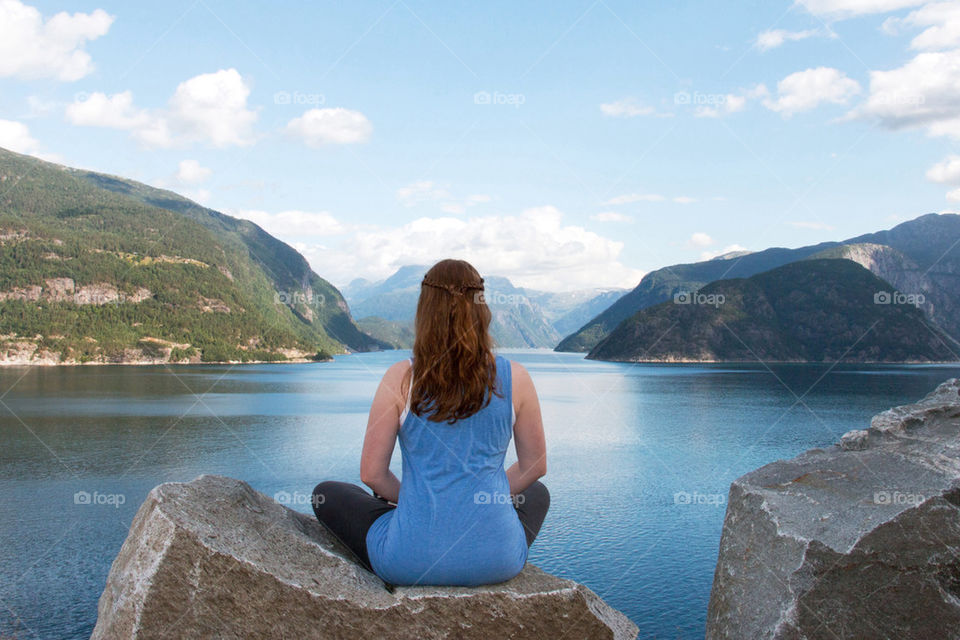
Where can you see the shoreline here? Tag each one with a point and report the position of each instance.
(11, 363)
(828, 362)
(680, 361)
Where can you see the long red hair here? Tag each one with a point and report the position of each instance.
(454, 372)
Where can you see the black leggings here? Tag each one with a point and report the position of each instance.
(347, 511)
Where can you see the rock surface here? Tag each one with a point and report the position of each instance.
(861, 540)
(215, 559)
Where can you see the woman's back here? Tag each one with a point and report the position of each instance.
(454, 523)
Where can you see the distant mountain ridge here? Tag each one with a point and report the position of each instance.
(99, 268)
(816, 310)
(927, 243)
(521, 317)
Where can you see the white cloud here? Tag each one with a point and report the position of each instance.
(213, 107)
(729, 103)
(811, 224)
(293, 225)
(452, 207)
(114, 112)
(924, 93)
(477, 198)
(421, 191)
(850, 8)
(723, 104)
(16, 137)
(190, 172)
(805, 90)
(636, 197)
(734, 103)
(185, 181)
(940, 21)
(730, 248)
(947, 172)
(534, 249)
(31, 47)
(427, 191)
(210, 107)
(700, 239)
(626, 108)
(611, 216)
(318, 127)
(630, 198)
(773, 38)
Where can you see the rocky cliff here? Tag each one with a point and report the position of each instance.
(859, 540)
(215, 559)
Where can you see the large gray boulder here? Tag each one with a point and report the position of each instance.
(215, 559)
(860, 540)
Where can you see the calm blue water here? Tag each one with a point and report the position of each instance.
(640, 460)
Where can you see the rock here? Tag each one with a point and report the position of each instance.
(857, 440)
(215, 559)
(860, 540)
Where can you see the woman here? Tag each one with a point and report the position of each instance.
(458, 518)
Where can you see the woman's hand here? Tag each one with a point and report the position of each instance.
(528, 436)
(381, 435)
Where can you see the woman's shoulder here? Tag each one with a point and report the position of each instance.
(517, 369)
(397, 372)
(401, 365)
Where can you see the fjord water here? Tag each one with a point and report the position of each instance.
(640, 460)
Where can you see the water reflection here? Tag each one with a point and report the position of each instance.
(640, 459)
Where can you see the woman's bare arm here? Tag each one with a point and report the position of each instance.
(528, 434)
(381, 435)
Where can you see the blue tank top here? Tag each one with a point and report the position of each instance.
(454, 523)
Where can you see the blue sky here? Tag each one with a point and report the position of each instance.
(565, 144)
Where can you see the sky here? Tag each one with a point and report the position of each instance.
(565, 145)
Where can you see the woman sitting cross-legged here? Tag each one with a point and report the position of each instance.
(458, 517)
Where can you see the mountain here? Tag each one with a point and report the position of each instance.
(929, 241)
(660, 285)
(395, 335)
(100, 268)
(567, 311)
(393, 299)
(818, 310)
(388, 309)
(517, 321)
(932, 244)
(521, 317)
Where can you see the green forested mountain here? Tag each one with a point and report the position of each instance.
(931, 243)
(397, 335)
(100, 268)
(818, 310)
